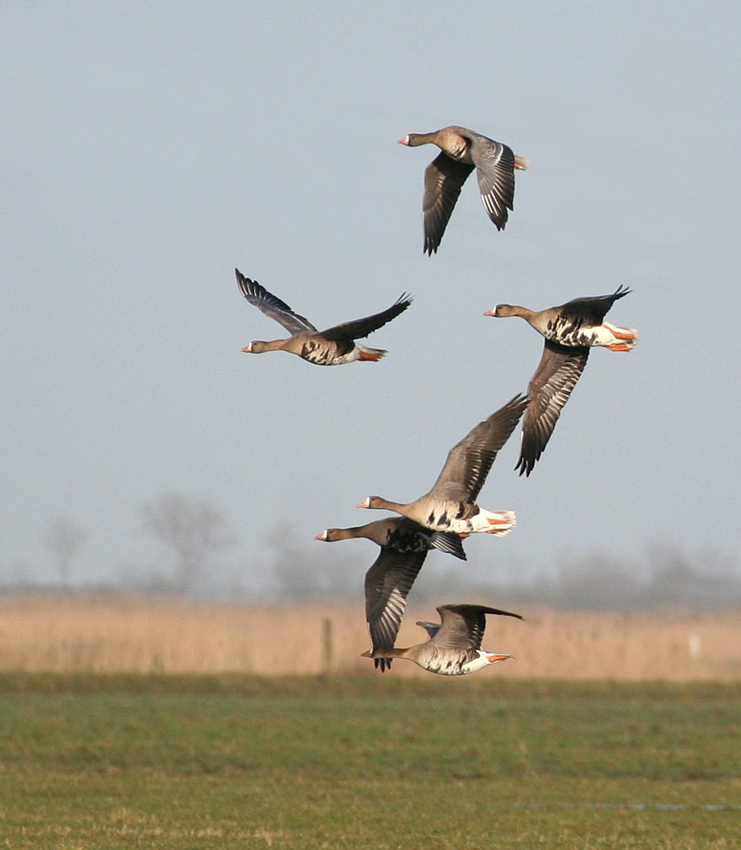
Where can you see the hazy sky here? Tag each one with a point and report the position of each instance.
(148, 148)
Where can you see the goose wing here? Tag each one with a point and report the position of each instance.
(360, 328)
(431, 628)
(387, 584)
(495, 170)
(446, 541)
(469, 461)
(593, 309)
(444, 178)
(462, 626)
(549, 389)
(272, 306)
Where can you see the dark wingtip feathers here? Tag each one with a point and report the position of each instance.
(248, 287)
(622, 291)
(518, 404)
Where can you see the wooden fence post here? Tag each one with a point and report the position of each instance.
(327, 648)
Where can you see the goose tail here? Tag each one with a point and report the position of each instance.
(371, 353)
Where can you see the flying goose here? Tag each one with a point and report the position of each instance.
(462, 151)
(324, 348)
(404, 546)
(570, 330)
(451, 503)
(454, 646)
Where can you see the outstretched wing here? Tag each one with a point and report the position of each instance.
(462, 626)
(549, 389)
(470, 460)
(272, 306)
(387, 584)
(447, 541)
(444, 178)
(593, 309)
(431, 628)
(495, 170)
(362, 327)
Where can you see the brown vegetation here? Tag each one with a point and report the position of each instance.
(107, 635)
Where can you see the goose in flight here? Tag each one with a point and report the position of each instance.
(332, 347)
(462, 151)
(404, 547)
(454, 645)
(451, 503)
(570, 330)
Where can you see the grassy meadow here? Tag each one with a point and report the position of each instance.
(233, 761)
(139, 724)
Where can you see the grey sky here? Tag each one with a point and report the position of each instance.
(150, 148)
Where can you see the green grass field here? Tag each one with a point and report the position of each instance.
(378, 762)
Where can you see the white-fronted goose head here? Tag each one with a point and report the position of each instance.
(462, 151)
(404, 546)
(331, 347)
(451, 503)
(570, 330)
(454, 646)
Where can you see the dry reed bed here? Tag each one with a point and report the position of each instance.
(71, 634)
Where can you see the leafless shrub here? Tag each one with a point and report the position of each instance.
(193, 529)
(667, 578)
(65, 539)
(320, 572)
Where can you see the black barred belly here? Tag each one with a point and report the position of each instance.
(405, 540)
(570, 333)
(319, 353)
(454, 512)
(326, 353)
(445, 666)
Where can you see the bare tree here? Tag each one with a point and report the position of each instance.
(305, 572)
(65, 539)
(21, 573)
(296, 567)
(194, 529)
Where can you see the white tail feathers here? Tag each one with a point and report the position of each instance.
(500, 522)
(365, 353)
(636, 335)
(627, 336)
